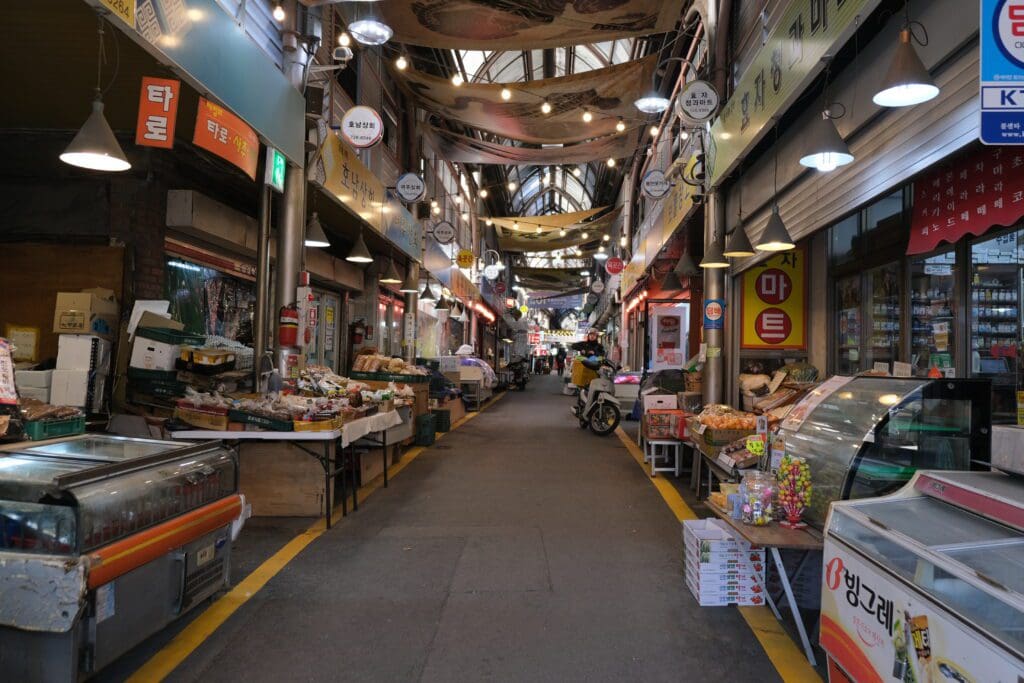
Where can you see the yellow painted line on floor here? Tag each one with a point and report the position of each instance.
(785, 655)
(164, 662)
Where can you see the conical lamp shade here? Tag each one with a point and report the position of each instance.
(391, 274)
(907, 81)
(359, 253)
(670, 283)
(713, 256)
(686, 267)
(94, 146)
(775, 236)
(428, 294)
(315, 236)
(442, 304)
(411, 284)
(739, 244)
(824, 148)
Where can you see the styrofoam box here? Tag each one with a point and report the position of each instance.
(83, 352)
(78, 388)
(38, 393)
(660, 402)
(712, 535)
(35, 379)
(149, 354)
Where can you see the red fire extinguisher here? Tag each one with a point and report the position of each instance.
(288, 326)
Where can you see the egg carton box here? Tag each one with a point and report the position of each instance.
(712, 536)
(741, 570)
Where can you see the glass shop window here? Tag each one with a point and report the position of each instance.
(933, 309)
(884, 289)
(848, 312)
(995, 319)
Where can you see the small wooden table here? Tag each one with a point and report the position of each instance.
(774, 537)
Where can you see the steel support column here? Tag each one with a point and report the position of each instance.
(261, 319)
(714, 288)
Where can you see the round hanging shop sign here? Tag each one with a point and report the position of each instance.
(444, 232)
(655, 185)
(698, 102)
(410, 187)
(362, 126)
(597, 287)
(614, 265)
(592, 299)
(492, 271)
(464, 258)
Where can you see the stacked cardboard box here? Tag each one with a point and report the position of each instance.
(720, 568)
(83, 365)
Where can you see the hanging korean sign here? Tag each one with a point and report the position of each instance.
(158, 112)
(345, 176)
(464, 259)
(779, 73)
(224, 134)
(410, 187)
(774, 303)
(697, 103)
(362, 126)
(614, 265)
(1002, 72)
(969, 195)
(655, 185)
(444, 232)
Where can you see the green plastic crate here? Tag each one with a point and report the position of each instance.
(51, 429)
(260, 421)
(388, 377)
(153, 375)
(169, 336)
(443, 416)
(426, 429)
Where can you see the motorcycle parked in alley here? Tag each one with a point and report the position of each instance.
(596, 406)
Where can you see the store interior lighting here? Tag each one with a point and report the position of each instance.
(776, 236)
(370, 31)
(391, 274)
(907, 82)
(315, 235)
(94, 146)
(359, 252)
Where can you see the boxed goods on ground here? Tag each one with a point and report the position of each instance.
(664, 424)
(91, 311)
(41, 379)
(720, 568)
(149, 354)
(205, 360)
(78, 388)
(83, 352)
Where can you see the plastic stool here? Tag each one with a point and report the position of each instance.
(663, 449)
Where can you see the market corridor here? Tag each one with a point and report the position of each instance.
(518, 548)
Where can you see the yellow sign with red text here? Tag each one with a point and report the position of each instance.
(774, 303)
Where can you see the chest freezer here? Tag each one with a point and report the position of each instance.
(105, 540)
(864, 437)
(927, 585)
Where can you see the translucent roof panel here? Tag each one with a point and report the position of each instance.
(486, 66)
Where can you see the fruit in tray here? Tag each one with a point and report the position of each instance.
(725, 417)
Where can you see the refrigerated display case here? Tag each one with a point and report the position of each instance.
(105, 540)
(866, 436)
(927, 585)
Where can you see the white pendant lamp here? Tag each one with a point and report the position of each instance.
(907, 82)
(94, 146)
(825, 149)
(315, 235)
(776, 236)
(359, 252)
(410, 285)
(652, 103)
(391, 274)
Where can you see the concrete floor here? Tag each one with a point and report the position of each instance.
(519, 548)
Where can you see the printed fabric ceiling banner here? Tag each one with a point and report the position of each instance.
(528, 239)
(608, 93)
(525, 24)
(552, 221)
(465, 150)
(550, 279)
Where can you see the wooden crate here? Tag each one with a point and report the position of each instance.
(279, 480)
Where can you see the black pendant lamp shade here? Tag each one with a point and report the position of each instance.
(686, 267)
(713, 256)
(670, 284)
(428, 294)
(315, 235)
(824, 148)
(391, 274)
(907, 81)
(411, 284)
(443, 304)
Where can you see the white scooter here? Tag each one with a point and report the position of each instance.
(596, 405)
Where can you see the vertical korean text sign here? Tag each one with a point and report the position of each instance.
(158, 112)
(1002, 72)
(224, 134)
(774, 303)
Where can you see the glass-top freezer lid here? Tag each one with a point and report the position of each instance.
(27, 479)
(1000, 562)
(102, 448)
(933, 523)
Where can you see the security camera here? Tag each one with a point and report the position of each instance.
(342, 54)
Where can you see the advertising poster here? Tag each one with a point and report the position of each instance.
(668, 336)
(878, 630)
(774, 303)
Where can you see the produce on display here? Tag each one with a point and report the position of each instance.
(369, 362)
(719, 416)
(794, 477)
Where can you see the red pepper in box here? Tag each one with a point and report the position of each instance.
(661, 423)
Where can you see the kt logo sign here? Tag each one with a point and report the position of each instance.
(1008, 28)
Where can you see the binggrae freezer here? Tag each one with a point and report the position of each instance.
(105, 540)
(927, 585)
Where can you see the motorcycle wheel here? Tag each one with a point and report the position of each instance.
(604, 419)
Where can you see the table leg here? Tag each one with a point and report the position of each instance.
(384, 439)
(328, 477)
(344, 483)
(794, 610)
(355, 480)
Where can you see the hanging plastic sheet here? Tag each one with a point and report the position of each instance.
(466, 150)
